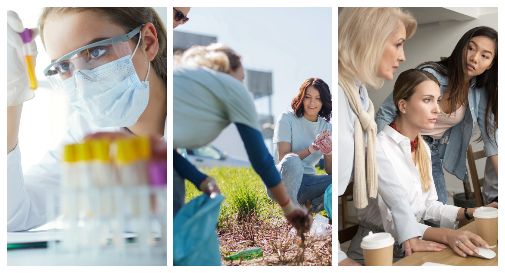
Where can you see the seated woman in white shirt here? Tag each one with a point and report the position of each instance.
(416, 94)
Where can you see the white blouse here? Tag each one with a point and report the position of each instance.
(394, 150)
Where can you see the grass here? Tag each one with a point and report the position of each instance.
(244, 192)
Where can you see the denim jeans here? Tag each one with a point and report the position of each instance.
(303, 187)
(437, 157)
(312, 189)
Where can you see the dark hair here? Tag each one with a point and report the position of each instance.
(128, 19)
(324, 93)
(453, 67)
(406, 83)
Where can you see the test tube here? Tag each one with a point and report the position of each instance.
(29, 53)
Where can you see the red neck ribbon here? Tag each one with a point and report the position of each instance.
(413, 144)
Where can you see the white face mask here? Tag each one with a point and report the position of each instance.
(110, 95)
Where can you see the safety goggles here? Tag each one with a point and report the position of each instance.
(179, 16)
(89, 57)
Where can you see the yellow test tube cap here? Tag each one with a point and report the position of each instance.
(100, 149)
(70, 153)
(143, 145)
(84, 152)
(125, 151)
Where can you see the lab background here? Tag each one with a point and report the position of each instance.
(43, 125)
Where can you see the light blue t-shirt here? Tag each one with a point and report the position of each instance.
(300, 133)
(205, 102)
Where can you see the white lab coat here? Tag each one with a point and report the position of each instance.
(27, 192)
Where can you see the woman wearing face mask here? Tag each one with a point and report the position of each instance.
(366, 58)
(209, 95)
(465, 77)
(416, 95)
(302, 136)
(112, 64)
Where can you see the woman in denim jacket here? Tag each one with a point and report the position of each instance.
(466, 77)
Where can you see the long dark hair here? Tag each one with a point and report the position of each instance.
(324, 93)
(453, 67)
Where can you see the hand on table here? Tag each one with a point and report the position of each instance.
(417, 245)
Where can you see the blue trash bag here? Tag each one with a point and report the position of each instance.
(327, 200)
(195, 236)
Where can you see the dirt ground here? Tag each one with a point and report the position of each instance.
(280, 244)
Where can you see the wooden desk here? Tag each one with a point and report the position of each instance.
(447, 256)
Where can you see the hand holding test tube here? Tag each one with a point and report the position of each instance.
(30, 52)
(19, 82)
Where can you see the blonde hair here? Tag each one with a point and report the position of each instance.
(423, 163)
(214, 56)
(362, 35)
(405, 87)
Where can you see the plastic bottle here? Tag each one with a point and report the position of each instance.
(142, 145)
(103, 181)
(68, 198)
(157, 169)
(136, 192)
(87, 200)
(247, 254)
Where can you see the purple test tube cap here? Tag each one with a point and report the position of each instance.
(26, 35)
(158, 173)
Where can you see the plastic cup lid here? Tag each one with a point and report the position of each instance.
(485, 212)
(377, 240)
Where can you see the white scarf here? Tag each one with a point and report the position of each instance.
(364, 122)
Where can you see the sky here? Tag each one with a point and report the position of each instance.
(293, 43)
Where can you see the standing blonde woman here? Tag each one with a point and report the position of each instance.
(370, 49)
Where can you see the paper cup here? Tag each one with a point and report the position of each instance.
(486, 220)
(378, 248)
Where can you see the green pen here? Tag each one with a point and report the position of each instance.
(26, 245)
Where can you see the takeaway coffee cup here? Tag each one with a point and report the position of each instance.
(486, 220)
(378, 248)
